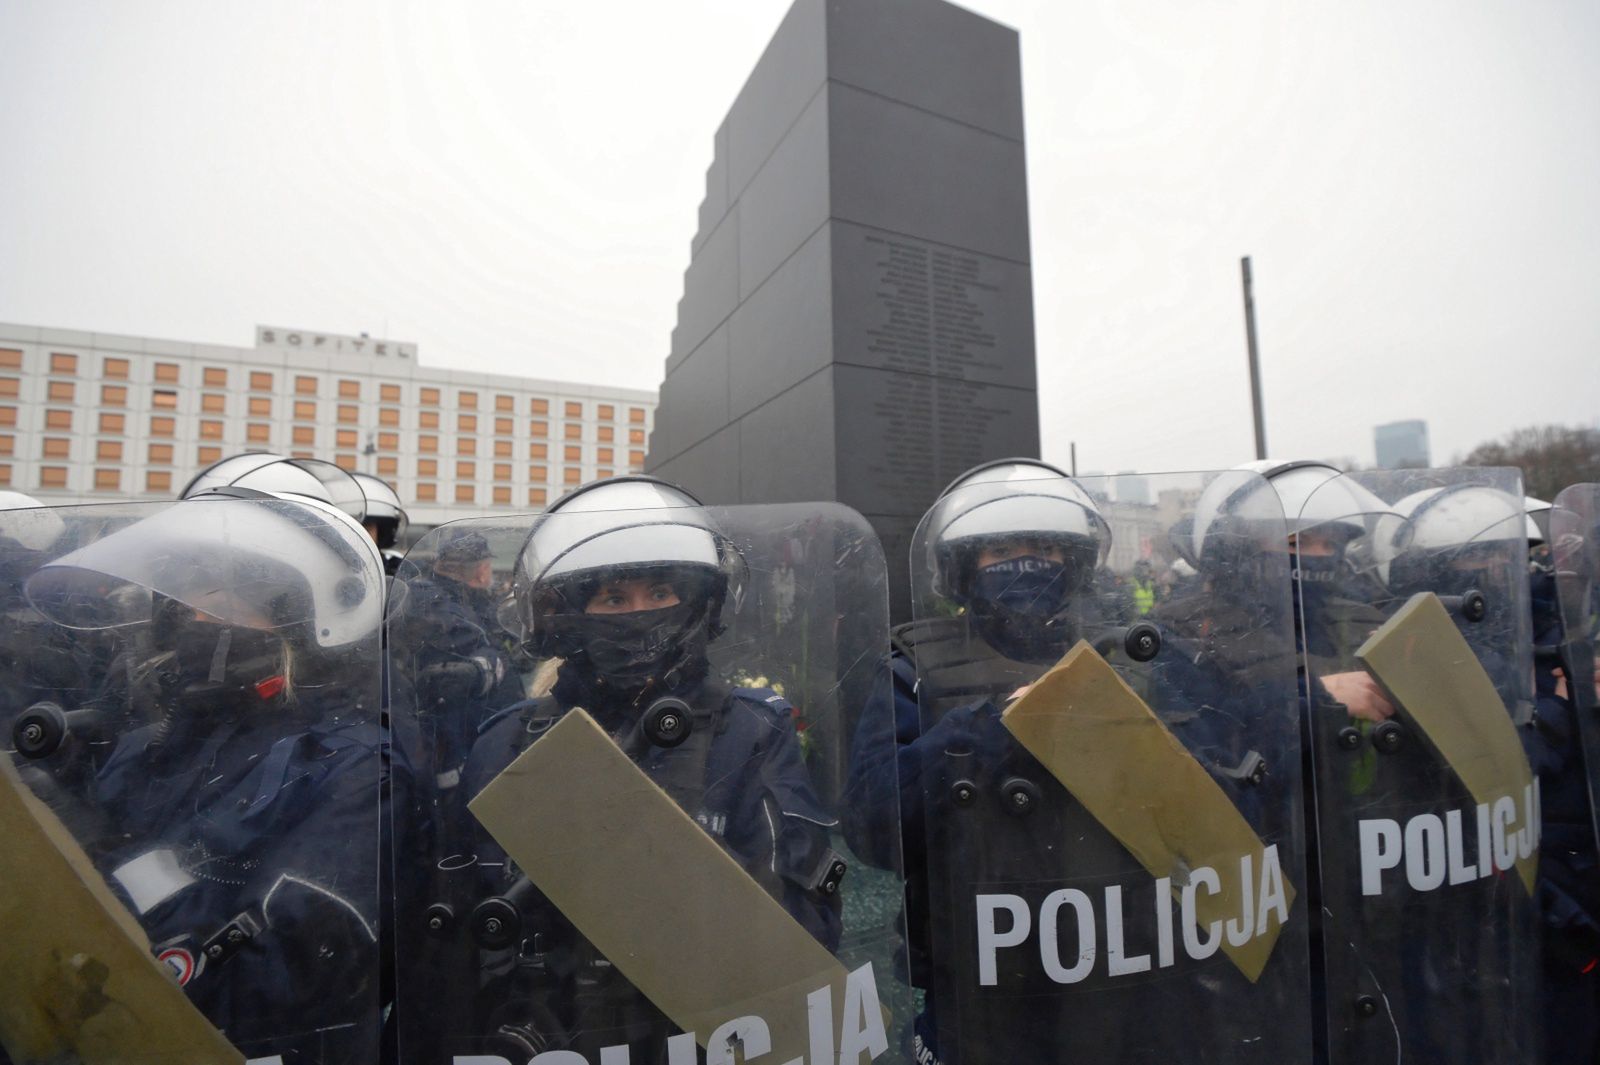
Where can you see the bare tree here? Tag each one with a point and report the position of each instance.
(1551, 457)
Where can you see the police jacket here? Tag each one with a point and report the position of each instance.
(248, 851)
(740, 775)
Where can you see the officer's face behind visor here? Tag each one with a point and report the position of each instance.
(1022, 547)
(631, 595)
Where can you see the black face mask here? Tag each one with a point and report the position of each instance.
(226, 655)
(630, 652)
(1019, 605)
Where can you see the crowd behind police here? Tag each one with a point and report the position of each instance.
(218, 697)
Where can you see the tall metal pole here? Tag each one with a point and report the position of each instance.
(1074, 446)
(1255, 358)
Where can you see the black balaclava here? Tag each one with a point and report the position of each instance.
(1020, 608)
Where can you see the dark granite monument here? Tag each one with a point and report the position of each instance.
(857, 315)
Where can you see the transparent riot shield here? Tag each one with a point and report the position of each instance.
(630, 728)
(192, 822)
(1108, 771)
(1412, 592)
(1575, 561)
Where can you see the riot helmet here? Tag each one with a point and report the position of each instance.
(386, 519)
(626, 579)
(1450, 535)
(1012, 541)
(267, 472)
(234, 585)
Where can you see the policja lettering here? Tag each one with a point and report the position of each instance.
(1269, 901)
(1436, 850)
(861, 1035)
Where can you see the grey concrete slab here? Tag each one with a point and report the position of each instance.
(913, 306)
(786, 446)
(698, 392)
(783, 333)
(933, 55)
(784, 80)
(898, 168)
(710, 469)
(710, 287)
(787, 199)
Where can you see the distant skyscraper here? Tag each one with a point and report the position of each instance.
(1401, 444)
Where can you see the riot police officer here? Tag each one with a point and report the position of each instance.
(386, 520)
(241, 826)
(628, 582)
(1009, 563)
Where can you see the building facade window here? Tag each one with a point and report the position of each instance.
(389, 416)
(427, 492)
(574, 410)
(161, 454)
(605, 434)
(58, 419)
(166, 399)
(428, 445)
(117, 369)
(108, 480)
(206, 455)
(605, 412)
(349, 389)
(538, 473)
(466, 471)
(158, 481)
(56, 447)
(162, 425)
(428, 419)
(61, 391)
(388, 441)
(113, 423)
(63, 365)
(505, 403)
(502, 449)
(467, 400)
(258, 433)
(466, 446)
(167, 373)
(538, 406)
(10, 359)
(345, 438)
(388, 466)
(304, 434)
(210, 430)
(636, 415)
(261, 406)
(389, 393)
(348, 414)
(572, 454)
(214, 403)
(305, 386)
(108, 451)
(10, 387)
(466, 493)
(466, 423)
(214, 377)
(52, 476)
(428, 397)
(427, 467)
(537, 497)
(574, 431)
(573, 475)
(260, 382)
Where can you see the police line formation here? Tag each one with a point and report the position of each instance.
(1288, 766)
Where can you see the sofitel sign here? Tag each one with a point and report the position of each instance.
(270, 336)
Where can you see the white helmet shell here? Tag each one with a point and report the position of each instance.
(37, 529)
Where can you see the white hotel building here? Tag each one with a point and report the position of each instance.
(88, 417)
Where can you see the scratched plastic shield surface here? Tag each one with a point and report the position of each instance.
(650, 817)
(191, 701)
(1426, 815)
(1107, 776)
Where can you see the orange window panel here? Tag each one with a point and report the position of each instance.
(11, 387)
(305, 410)
(113, 423)
(167, 373)
(502, 494)
(389, 393)
(466, 446)
(605, 412)
(58, 419)
(636, 415)
(538, 406)
(5, 475)
(210, 430)
(161, 454)
(573, 454)
(388, 465)
(389, 441)
(389, 416)
(258, 433)
(110, 395)
(636, 458)
(114, 368)
(428, 419)
(467, 400)
(305, 385)
(573, 475)
(304, 434)
(538, 451)
(574, 431)
(502, 427)
(214, 403)
(52, 476)
(158, 481)
(428, 445)
(427, 467)
(606, 434)
(505, 403)
(465, 493)
(61, 391)
(635, 436)
(502, 471)
(10, 359)
(345, 462)
(537, 496)
(538, 473)
(349, 414)
(538, 428)
(466, 423)
(260, 382)
(56, 447)
(603, 473)
(63, 364)
(261, 406)
(205, 456)
(603, 454)
(466, 470)
(349, 389)
(108, 479)
(8, 416)
(166, 399)
(345, 438)
(214, 377)
(108, 451)
(427, 493)
(428, 397)
(574, 410)
(161, 425)
(302, 454)
(502, 449)
(8, 444)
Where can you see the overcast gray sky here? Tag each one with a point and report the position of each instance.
(514, 186)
